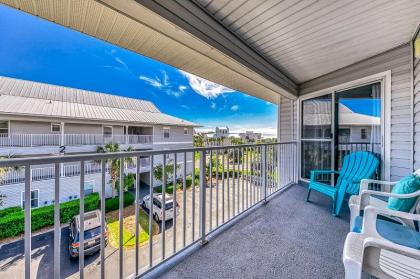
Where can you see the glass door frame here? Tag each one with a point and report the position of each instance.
(384, 78)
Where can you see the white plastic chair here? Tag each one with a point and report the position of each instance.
(368, 251)
(367, 197)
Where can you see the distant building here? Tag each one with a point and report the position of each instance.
(38, 119)
(250, 136)
(221, 132)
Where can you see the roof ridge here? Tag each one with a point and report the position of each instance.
(73, 95)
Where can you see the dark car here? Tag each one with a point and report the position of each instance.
(92, 234)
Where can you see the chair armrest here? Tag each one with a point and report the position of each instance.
(364, 184)
(371, 215)
(367, 193)
(314, 173)
(382, 243)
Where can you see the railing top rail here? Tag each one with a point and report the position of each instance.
(117, 155)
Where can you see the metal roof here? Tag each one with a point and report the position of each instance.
(28, 98)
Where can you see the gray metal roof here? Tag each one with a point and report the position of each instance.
(29, 98)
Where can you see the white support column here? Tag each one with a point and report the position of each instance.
(126, 134)
(279, 162)
(62, 134)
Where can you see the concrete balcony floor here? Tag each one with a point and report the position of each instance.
(286, 238)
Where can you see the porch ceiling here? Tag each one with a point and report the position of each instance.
(309, 38)
(133, 26)
(263, 48)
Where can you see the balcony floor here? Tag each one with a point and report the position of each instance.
(286, 238)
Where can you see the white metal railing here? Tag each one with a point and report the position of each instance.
(226, 182)
(27, 140)
(16, 176)
(30, 140)
(143, 139)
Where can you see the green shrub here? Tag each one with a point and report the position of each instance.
(113, 203)
(13, 223)
(71, 208)
(10, 210)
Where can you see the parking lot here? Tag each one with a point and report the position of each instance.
(11, 255)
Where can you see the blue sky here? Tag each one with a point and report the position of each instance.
(35, 49)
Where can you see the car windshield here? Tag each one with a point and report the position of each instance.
(91, 233)
(169, 205)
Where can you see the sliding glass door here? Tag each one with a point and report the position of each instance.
(337, 124)
(316, 136)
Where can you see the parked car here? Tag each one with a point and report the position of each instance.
(157, 206)
(92, 234)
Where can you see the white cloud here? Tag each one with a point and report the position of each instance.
(205, 88)
(234, 108)
(153, 82)
(165, 85)
(176, 94)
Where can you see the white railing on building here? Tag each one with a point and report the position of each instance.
(237, 179)
(16, 176)
(30, 140)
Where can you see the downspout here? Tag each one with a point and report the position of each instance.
(412, 100)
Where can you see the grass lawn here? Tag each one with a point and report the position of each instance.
(129, 228)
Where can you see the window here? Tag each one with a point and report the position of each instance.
(107, 131)
(157, 203)
(4, 127)
(34, 198)
(363, 133)
(185, 131)
(166, 133)
(88, 187)
(55, 127)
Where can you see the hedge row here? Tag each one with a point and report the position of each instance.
(13, 223)
(114, 203)
(12, 219)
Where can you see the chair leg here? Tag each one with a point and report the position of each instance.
(309, 193)
(339, 200)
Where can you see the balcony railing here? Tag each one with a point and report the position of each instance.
(227, 181)
(30, 140)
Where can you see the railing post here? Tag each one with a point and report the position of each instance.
(264, 172)
(202, 197)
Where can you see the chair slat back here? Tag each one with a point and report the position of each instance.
(357, 166)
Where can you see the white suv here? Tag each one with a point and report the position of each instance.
(157, 206)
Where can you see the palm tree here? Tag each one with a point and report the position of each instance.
(114, 170)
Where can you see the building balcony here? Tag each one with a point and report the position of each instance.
(32, 140)
(47, 172)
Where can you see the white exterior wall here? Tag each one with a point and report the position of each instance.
(397, 60)
(76, 128)
(287, 118)
(177, 138)
(30, 127)
(69, 186)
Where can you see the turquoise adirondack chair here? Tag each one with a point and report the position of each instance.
(356, 166)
